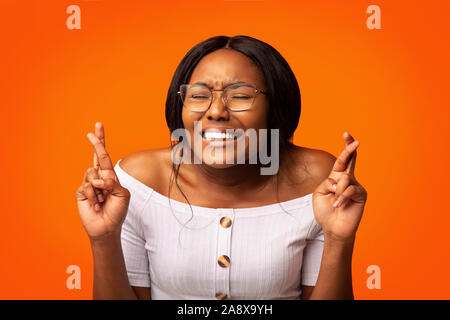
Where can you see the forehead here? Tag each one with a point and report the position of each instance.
(225, 66)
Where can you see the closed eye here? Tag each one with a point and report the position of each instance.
(241, 97)
(199, 97)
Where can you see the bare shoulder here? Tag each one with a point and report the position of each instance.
(151, 167)
(319, 162)
(308, 167)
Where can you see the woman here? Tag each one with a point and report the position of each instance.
(225, 230)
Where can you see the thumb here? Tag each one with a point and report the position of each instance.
(111, 186)
(327, 186)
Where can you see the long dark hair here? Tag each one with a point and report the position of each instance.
(284, 93)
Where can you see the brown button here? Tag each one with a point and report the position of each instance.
(224, 261)
(221, 296)
(225, 222)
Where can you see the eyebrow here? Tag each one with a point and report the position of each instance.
(225, 84)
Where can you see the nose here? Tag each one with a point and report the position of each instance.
(218, 110)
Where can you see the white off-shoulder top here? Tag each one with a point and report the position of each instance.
(264, 252)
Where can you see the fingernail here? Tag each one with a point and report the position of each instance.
(333, 186)
(335, 203)
(98, 182)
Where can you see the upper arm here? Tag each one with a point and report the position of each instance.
(306, 292)
(320, 165)
(140, 165)
(142, 293)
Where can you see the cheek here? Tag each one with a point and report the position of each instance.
(188, 119)
(257, 119)
(185, 118)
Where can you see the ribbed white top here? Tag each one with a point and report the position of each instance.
(271, 252)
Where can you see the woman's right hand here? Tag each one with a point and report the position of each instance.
(102, 201)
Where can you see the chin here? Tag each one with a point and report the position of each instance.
(220, 165)
(219, 161)
(222, 160)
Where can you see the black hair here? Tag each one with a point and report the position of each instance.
(284, 92)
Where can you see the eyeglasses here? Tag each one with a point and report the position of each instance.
(236, 97)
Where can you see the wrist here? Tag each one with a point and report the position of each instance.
(339, 240)
(105, 241)
(339, 248)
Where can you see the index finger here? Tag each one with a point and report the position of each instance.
(346, 160)
(100, 133)
(351, 165)
(103, 157)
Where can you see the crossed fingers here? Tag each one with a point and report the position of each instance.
(341, 180)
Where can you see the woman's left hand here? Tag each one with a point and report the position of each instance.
(338, 202)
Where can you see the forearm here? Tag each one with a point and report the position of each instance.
(335, 274)
(110, 275)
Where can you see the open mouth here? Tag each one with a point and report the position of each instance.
(221, 136)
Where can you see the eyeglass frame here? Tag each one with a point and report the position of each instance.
(224, 102)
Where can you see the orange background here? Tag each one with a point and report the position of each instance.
(388, 87)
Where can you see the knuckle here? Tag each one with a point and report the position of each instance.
(343, 182)
(103, 156)
(88, 190)
(79, 191)
(331, 181)
(364, 191)
(92, 172)
(108, 182)
(88, 175)
(351, 190)
(109, 185)
(126, 192)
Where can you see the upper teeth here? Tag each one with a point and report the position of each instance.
(217, 135)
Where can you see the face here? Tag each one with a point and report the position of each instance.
(218, 70)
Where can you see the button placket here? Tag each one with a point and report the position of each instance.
(223, 255)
